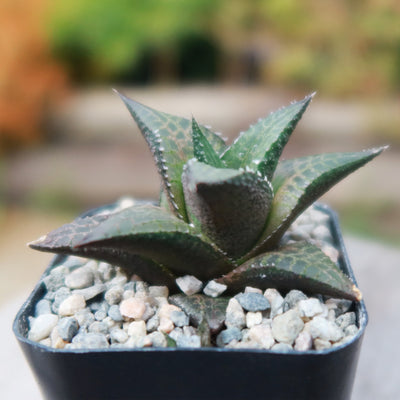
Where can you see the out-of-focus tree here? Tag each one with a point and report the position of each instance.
(29, 78)
(339, 47)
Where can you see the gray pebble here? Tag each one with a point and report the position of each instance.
(227, 335)
(287, 326)
(158, 291)
(67, 328)
(351, 330)
(60, 295)
(106, 271)
(43, 306)
(81, 278)
(281, 347)
(84, 318)
(98, 327)
(92, 291)
(157, 339)
(214, 289)
(188, 341)
(235, 316)
(253, 301)
(153, 323)
(55, 280)
(292, 298)
(118, 335)
(89, 341)
(179, 318)
(99, 315)
(114, 313)
(344, 320)
(113, 295)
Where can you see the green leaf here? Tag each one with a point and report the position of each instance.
(300, 266)
(229, 206)
(299, 182)
(149, 232)
(200, 307)
(170, 342)
(203, 151)
(65, 240)
(260, 147)
(170, 141)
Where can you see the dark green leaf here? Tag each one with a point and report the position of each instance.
(203, 151)
(200, 307)
(170, 342)
(299, 182)
(65, 240)
(300, 266)
(230, 206)
(147, 231)
(260, 147)
(170, 141)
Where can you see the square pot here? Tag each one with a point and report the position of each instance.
(204, 373)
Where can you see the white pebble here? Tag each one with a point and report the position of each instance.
(235, 316)
(287, 326)
(71, 305)
(253, 318)
(189, 284)
(214, 289)
(262, 335)
(321, 328)
(310, 307)
(303, 341)
(42, 326)
(132, 308)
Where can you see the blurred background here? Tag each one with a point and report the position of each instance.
(68, 144)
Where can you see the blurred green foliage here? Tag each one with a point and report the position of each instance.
(338, 46)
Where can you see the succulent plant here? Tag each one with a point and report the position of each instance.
(223, 210)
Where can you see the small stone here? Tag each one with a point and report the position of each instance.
(281, 347)
(89, 341)
(321, 344)
(176, 333)
(43, 306)
(127, 294)
(253, 318)
(252, 301)
(310, 307)
(118, 280)
(132, 308)
(141, 290)
(250, 289)
(153, 323)
(276, 301)
(189, 330)
(189, 284)
(157, 339)
(351, 330)
(72, 304)
(113, 295)
(214, 289)
(91, 292)
(342, 305)
(46, 342)
(115, 313)
(179, 318)
(158, 291)
(322, 233)
(189, 341)
(137, 333)
(166, 310)
(227, 335)
(118, 335)
(292, 298)
(287, 326)
(165, 325)
(111, 323)
(235, 316)
(55, 279)
(80, 278)
(59, 296)
(84, 318)
(148, 312)
(345, 320)
(106, 271)
(98, 327)
(41, 327)
(67, 328)
(56, 340)
(99, 315)
(262, 335)
(321, 328)
(303, 341)
(73, 262)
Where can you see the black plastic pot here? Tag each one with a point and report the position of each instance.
(206, 373)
